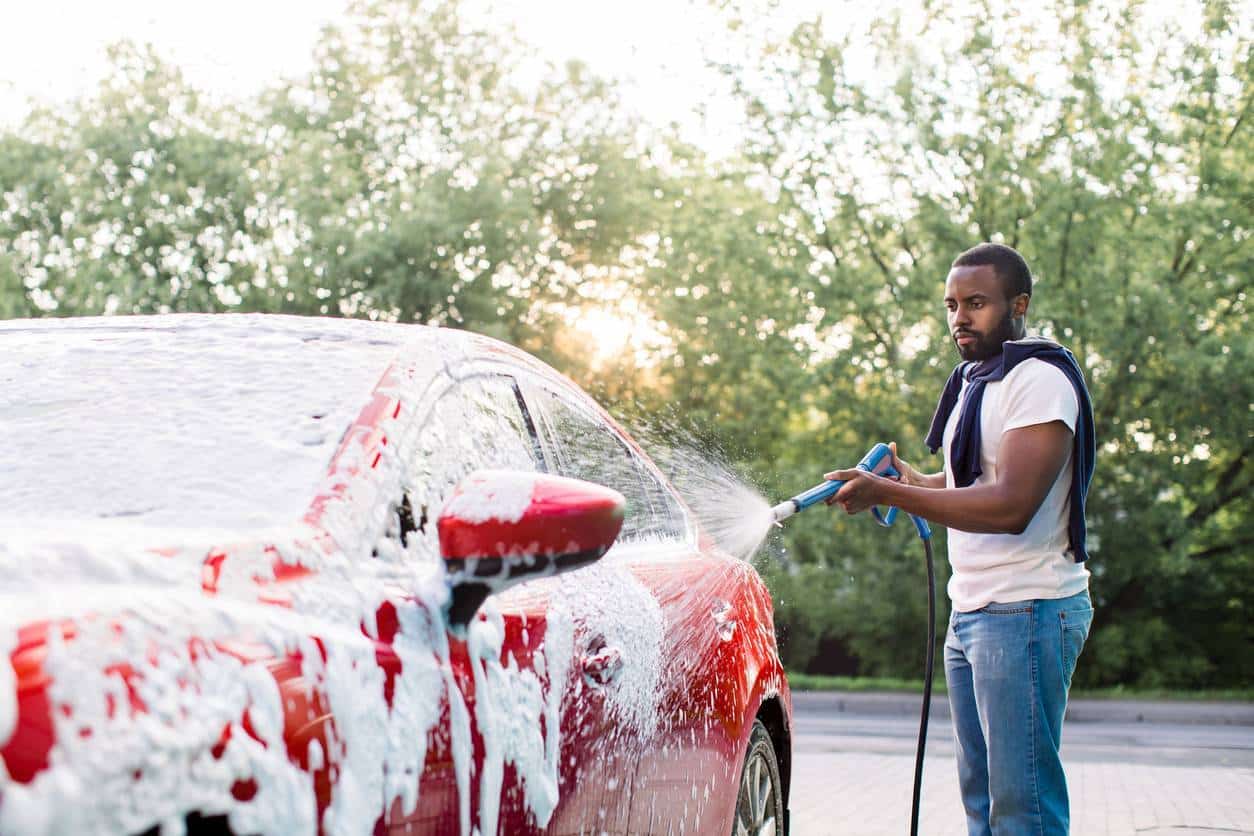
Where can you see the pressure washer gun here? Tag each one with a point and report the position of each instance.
(879, 460)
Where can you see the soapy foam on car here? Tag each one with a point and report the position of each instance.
(117, 770)
(8, 688)
(95, 394)
(510, 711)
(608, 602)
(492, 495)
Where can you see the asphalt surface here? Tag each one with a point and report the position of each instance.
(1134, 768)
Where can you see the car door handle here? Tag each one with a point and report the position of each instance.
(724, 619)
(602, 667)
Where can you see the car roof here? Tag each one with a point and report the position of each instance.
(224, 324)
(200, 422)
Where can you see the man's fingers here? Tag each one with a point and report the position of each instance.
(841, 475)
(842, 495)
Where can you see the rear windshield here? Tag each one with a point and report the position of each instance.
(193, 424)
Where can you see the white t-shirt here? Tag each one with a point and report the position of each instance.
(1001, 568)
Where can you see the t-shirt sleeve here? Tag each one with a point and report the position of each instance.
(1036, 393)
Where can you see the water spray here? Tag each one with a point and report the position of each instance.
(879, 461)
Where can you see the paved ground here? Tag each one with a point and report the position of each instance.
(1134, 769)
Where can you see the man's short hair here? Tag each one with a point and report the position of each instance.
(1006, 262)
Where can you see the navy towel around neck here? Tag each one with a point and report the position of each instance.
(964, 455)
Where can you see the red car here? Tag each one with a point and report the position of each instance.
(279, 575)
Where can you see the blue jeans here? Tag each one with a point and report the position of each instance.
(1008, 667)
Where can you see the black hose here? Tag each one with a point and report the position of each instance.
(929, 660)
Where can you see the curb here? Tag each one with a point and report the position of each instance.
(1180, 712)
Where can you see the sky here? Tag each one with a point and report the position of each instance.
(54, 50)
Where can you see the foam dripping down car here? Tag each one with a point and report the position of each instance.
(283, 575)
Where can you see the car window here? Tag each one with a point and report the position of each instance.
(476, 423)
(580, 444)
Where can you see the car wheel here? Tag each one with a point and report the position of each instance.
(760, 801)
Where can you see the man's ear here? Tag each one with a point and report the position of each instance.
(1019, 305)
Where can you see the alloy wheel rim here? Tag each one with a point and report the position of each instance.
(755, 806)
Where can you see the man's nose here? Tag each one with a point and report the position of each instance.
(960, 316)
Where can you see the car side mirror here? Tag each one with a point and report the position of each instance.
(502, 527)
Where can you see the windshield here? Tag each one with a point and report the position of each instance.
(195, 423)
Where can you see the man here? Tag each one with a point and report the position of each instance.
(1017, 431)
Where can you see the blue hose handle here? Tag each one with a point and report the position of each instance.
(878, 460)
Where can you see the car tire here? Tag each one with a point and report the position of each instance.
(760, 797)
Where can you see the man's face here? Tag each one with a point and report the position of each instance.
(981, 318)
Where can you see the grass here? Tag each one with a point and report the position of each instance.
(815, 682)
(818, 682)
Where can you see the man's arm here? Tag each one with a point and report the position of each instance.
(1028, 463)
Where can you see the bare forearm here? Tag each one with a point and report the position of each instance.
(1034, 454)
(984, 509)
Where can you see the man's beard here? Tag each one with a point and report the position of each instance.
(987, 346)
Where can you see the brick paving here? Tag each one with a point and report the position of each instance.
(869, 795)
(850, 781)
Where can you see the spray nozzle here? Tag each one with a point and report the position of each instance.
(783, 511)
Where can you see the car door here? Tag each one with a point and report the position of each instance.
(505, 756)
(687, 754)
(466, 424)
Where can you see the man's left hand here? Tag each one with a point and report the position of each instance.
(860, 491)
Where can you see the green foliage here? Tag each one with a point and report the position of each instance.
(792, 291)
(819, 682)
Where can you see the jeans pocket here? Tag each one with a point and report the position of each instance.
(1075, 631)
(1013, 608)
